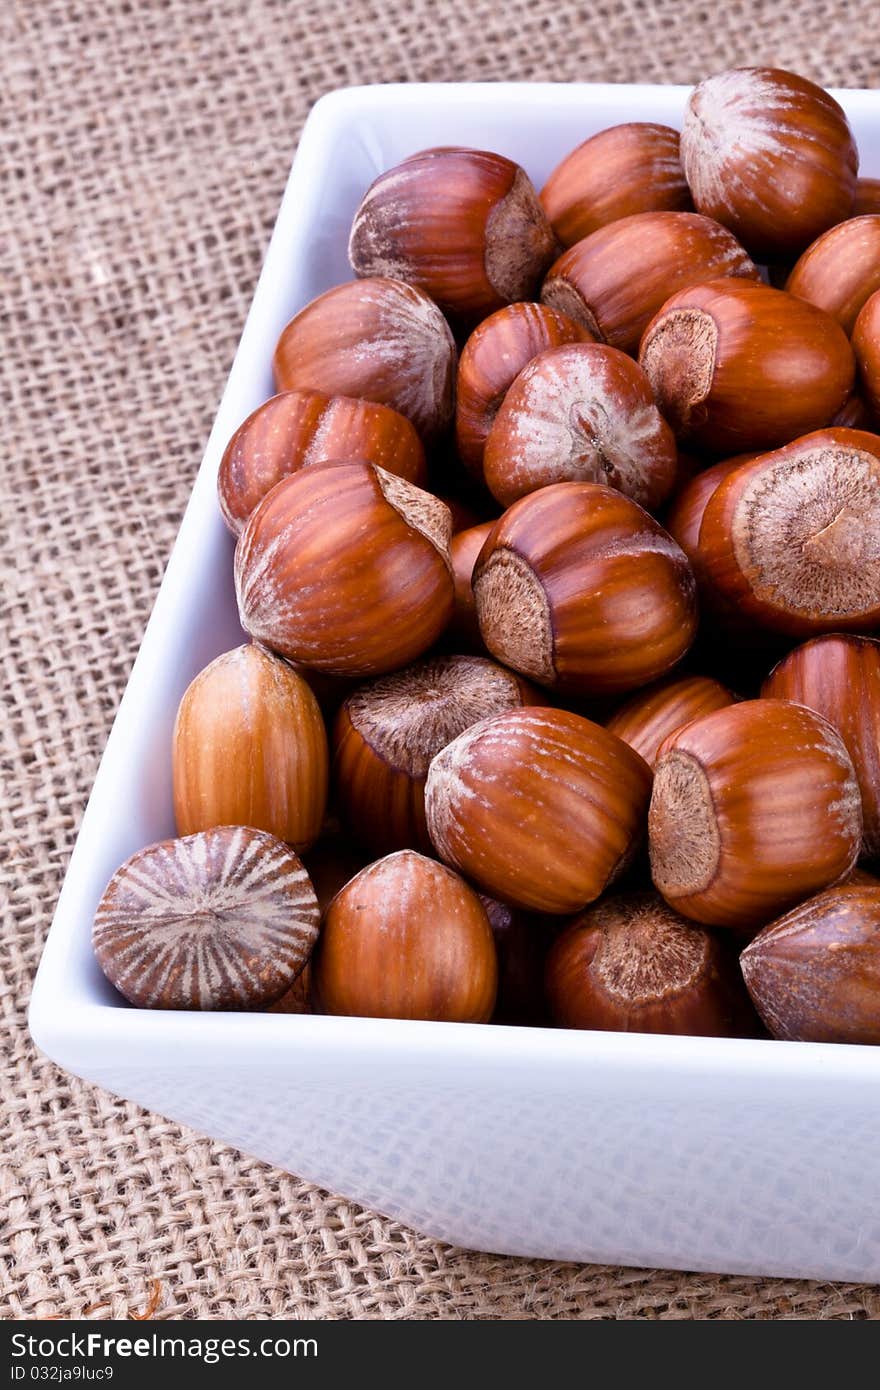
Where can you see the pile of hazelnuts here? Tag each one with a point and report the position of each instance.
(559, 553)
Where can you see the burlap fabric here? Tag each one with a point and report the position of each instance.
(145, 149)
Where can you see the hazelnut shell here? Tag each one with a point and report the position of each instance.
(539, 807)
(407, 938)
(814, 975)
(225, 919)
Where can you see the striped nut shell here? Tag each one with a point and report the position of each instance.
(463, 225)
(541, 808)
(580, 589)
(651, 715)
(814, 974)
(737, 366)
(407, 938)
(250, 748)
(838, 676)
(465, 546)
(225, 919)
(866, 343)
(771, 155)
(626, 169)
(791, 540)
(630, 964)
(841, 270)
(345, 568)
(298, 428)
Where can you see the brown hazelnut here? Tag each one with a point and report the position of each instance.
(841, 269)
(493, 356)
(539, 807)
(299, 428)
(616, 279)
(522, 940)
(346, 568)
(867, 197)
(623, 170)
(754, 807)
(770, 155)
(387, 732)
(407, 938)
(580, 590)
(839, 677)
(651, 715)
(250, 748)
(581, 413)
(739, 366)
(814, 975)
(465, 546)
(866, 342)
(791, 540)
(685, 514)
(856, 414)
(463, 225)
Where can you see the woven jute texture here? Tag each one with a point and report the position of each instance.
(145, 147)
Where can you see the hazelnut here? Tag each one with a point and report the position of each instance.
(296, 1000)
(616, 279)
(332, 863)
(739, 366)
(581, 413)
(841, 269)
(299, 428)
(463, 225)
(225, 919)
(494, 354)
(814, 975)
(579, 589)
(866, 342)
(249, 748)
(862, 878)
(770, 155)
(792, 538)
(623, 170)
(464, 548)
(839, 677)
(345, 567)
(539, 807)
(463, 514)
(387, 732)
(683, 520)
(407, 938)
(652, 715)
(376, 339)
(631, 964)
(754, 807)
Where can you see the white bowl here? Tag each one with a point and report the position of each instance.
(705, 1154)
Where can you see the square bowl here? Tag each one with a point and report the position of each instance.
(705, 1154)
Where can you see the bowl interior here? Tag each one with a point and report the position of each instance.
(350, 137)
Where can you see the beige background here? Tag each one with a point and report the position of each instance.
(145, 147)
